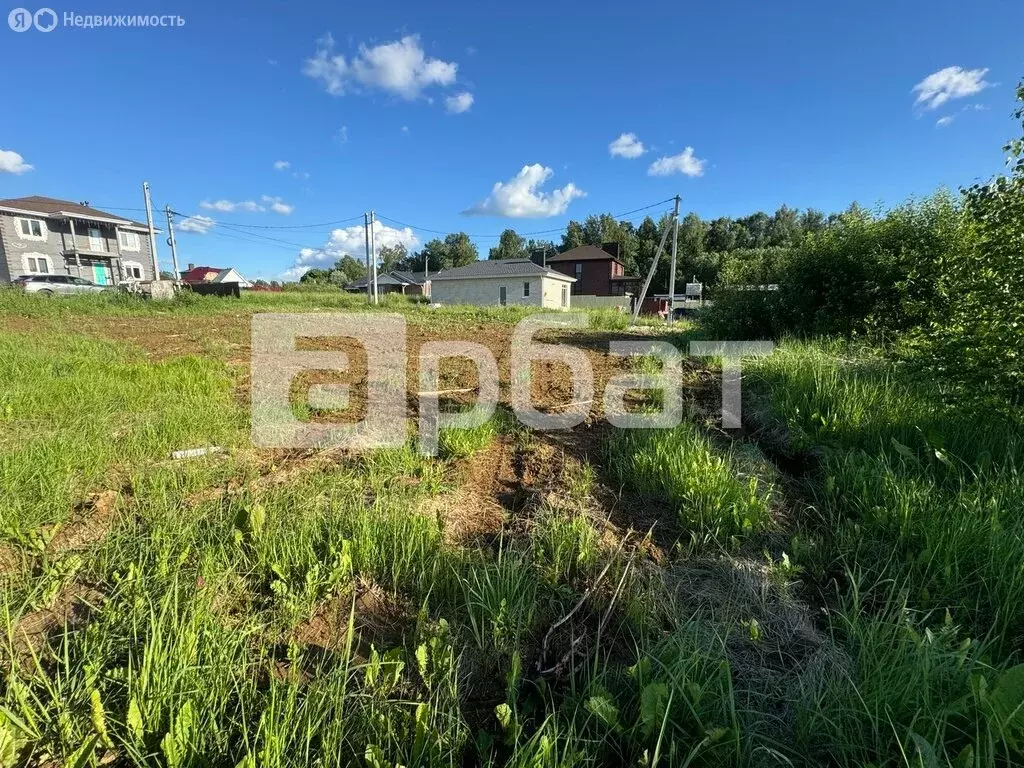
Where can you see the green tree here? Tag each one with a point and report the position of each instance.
(316, 275)
(692, 234)
(812, 221)
(573, 237)
(721, 235)
(978, 342)
(510, 246)
(456, 250)
(784, 228)
(460, 250)
(753, 230)
(391, 256)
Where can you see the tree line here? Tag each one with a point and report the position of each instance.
(703, 245)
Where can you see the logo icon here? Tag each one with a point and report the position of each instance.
(45, 19)
(20, 19)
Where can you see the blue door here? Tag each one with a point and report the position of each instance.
(99, 274)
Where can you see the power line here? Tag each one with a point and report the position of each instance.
(294, 226)
(235, 228)
(522, 234)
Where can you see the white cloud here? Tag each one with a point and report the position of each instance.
(684, 163)
(12, 162)
(942, 122)
(227, 206)
(949, 83)
(521, 198)
(198, 225)
(350, 241)
(282, 165)
(342, 134)
(458, 103)
(277, 205)
(627, 145)
(400, 67)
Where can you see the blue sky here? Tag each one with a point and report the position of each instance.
(803, 103)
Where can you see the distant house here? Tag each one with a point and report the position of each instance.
(43, 235)
(502, 282)
(396, 281)
(199, 275)
(598, 271)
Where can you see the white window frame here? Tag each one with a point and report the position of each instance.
(134, 245)
(526, 289)
(128, 265)
(565, 297)
(97, 242)
(41, 238)
(36, 257)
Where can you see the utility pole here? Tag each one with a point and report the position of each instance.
(654, 265)
(152, 232)
(366, 232)
(373, 255)
(672, 271)
(171, 242)
(650, 275)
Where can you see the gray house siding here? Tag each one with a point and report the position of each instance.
(102, 256)
(5, 270)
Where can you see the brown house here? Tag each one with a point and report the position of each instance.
(598, 271)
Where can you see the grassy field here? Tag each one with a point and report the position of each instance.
(838, 583)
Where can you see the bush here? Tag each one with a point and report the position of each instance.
(862, 274)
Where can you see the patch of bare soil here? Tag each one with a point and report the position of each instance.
(72, 607)
(91, 522)
(10, 560)
(615, 509)
(381, 620)
(271, 468)
(490, 490)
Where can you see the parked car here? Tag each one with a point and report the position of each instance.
(51, 284)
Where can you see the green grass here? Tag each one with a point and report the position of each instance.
(713, 498)
(251, 609)
(81, 415)
(918, 533)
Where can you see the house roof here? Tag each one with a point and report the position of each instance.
(585, 253)
(383, 278)
(230, 272)
(500, 268)
(198, 274)
(416, 278)
(52, 207)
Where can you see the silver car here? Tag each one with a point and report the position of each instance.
(54, 284)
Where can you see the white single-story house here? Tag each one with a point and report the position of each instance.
(502, 282)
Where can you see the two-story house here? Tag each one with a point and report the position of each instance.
(598, 271)
(41, 235)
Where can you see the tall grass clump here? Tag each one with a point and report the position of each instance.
(912, 493)
(682, 466)
(915, 689)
